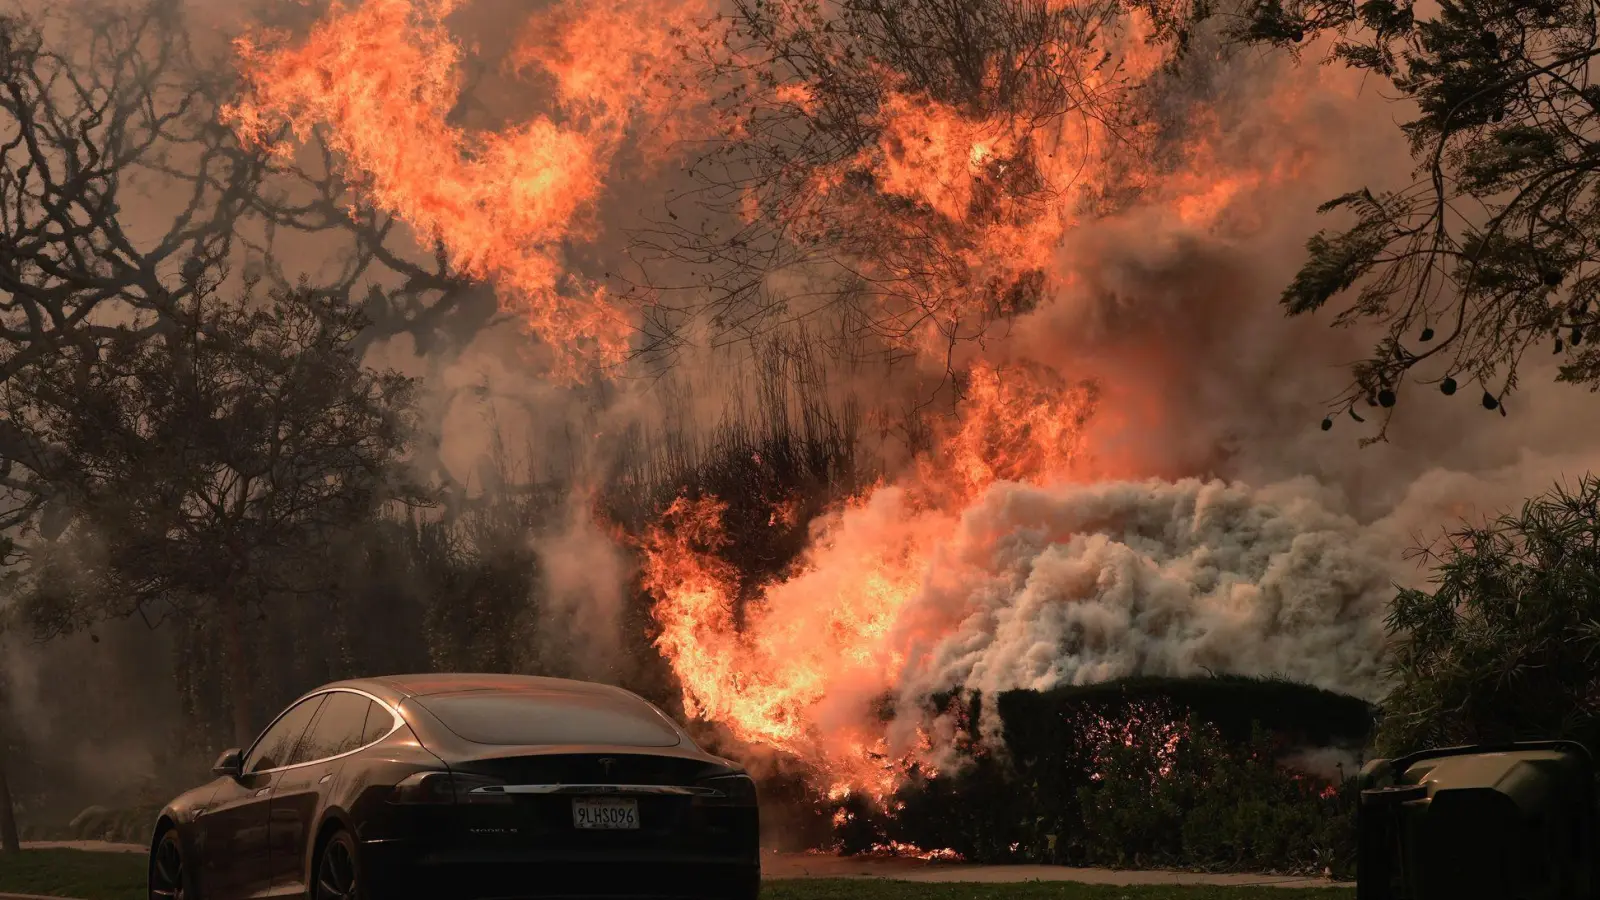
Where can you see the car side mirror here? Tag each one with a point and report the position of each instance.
(230, 763)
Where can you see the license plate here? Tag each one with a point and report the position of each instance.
(605, 814)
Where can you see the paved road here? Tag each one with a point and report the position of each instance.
(779, 866)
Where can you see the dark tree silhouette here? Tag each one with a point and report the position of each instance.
(1494, 249)
(84, 124)
(10, 842)
(122, 192)
(207, 467)
(81, 128)
(124, 197)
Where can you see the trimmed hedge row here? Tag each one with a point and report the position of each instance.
(1162, 773)
(1234, 704)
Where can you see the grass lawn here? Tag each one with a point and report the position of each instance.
(74, 873)
(121, 876)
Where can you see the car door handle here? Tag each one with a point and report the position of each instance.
(263, 792)
(324, 779)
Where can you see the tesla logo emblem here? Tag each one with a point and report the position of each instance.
(606, 764)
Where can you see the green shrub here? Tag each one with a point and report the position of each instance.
(130, 825)
(1234, 704)
(1502, 645)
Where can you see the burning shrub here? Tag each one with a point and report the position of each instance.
(973, 813)
(1185, 773)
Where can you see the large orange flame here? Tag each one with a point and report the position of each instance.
(805, 667)
(614, 61)
(381, 77)
(817, 649)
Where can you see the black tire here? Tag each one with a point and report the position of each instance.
(170, 875)
(337, 874)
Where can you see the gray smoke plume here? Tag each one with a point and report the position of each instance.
(1081, 584)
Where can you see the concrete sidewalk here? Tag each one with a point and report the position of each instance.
(783, 866)
(779, 866)
(96, 846)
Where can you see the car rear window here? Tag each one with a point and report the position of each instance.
(487, 717)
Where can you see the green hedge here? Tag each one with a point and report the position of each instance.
(1146, 773)
(1234, 704)
(119, 825)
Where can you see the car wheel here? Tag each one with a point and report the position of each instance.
(338, 871)
(169, 875)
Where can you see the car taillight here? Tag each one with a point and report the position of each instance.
(735, 790)
(425, 788)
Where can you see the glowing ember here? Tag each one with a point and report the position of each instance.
(898, 850)
(1151, 726)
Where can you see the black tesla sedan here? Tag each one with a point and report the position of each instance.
(453, 787)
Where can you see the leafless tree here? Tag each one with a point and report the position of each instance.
(122, 192)
(805, 94)
(126, 206)
(82, 130)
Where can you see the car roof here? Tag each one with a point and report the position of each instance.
(395, 688)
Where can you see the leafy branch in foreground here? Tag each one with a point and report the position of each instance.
(1496, 246)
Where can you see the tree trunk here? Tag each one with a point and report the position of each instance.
(233, 615)
(9, 842)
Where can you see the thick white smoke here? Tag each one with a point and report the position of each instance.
(1081, 584)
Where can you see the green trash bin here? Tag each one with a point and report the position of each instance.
(1512, 822)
